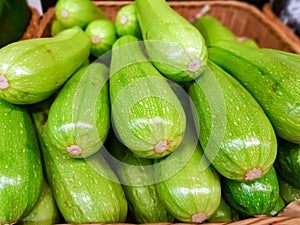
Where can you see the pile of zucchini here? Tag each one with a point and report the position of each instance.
(150, 118)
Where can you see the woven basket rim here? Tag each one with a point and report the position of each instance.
(33, 26)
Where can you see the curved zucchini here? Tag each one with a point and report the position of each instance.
(137, 179)
(85, 190)
(175, 46)
(253, 198)
(272, 80)
(45, 211)
(79, 117)
(21, 175)
(147, 114)
(127, 22)
(235, 133)
(287, 162)
(193, 193)
(32, 70)
(288, 192)
(79, 13)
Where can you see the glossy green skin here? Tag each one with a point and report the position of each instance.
(45, 212)
(15, 17)
(194, 189)
(224, 213)
(80, 12)
(172, 42)
(213, 30)
(137, 178)
(291, 56)
(287, 162)
(85, 93)
(56, 28)
(36, 68)
(253, 198)
(21, 173)
(105, 32)
(288, 192)
(85, 190)
(145, 110)
(280, 204)
(246, 139)
(127, 21)
(272, 80)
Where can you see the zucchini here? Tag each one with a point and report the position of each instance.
(277, 208)
(79, 13)
(174, 45)
(45, 211)
(146, 113)
(127, 21)
(288, 192)
(137, 179)
(213, 30)
(102, 34)
(272, 80)
(56, 27)
(287, 162)
(21, 174)
(235, 133)
(187, 184)
(52, 61)
(253, 198)
(79, 117)
(85, 190)
(224, 213)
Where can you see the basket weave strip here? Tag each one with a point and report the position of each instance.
(32, 28)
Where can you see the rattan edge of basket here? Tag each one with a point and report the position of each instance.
(31, 30)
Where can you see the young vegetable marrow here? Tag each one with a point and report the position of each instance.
(272, 80)
(288, 192)
(235, 133)
(127, 21)
(264, 190)
(52, 61)
(79, 13)
(85, 190)
(193, 193)
(21, 175)
(287, 162)
(137, 178)
(79, 117)
(147, 114)
(45, 211)
(175, 46)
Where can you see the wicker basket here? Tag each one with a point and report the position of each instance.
(243, 19)
(33, 26)
(267, 10)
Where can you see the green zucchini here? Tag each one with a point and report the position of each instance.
(174, 45)
(253, 198)
(102, 34)
(280, 204)
(235, 133)
(193, 192)
(21, 175)
(288, 192)
(213, 30)
(52, 61)
(45, 211)
(79, 117)
(272, 80)
(79, 13)
(15, 17)
(146, 113)
(137, 178)
(56, 27)
(127, 21)
(287, 162)
(85, 190)
(224, 213)
(285, 55)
